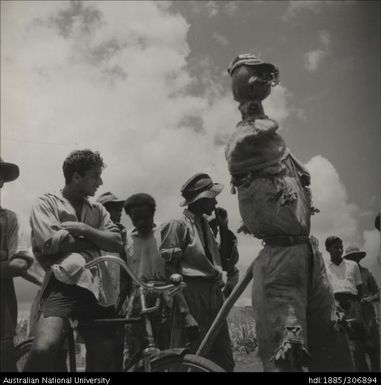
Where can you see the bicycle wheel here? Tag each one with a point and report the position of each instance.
(22, 351)
(185, 363)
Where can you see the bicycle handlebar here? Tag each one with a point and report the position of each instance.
(123, 264)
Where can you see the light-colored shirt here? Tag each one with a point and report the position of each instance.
(345, 277)
(143, 255)
(48, 213)
(186, 233)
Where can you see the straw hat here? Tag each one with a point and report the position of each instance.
(353, 252)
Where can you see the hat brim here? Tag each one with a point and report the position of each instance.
(252, 63)
(9, 171)
(118, 202)
(354, 254)
(211, 193)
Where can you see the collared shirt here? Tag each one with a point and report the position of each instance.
(48, 213)
(345, 277)
(143, 255)
(186, 233)
(8, 246)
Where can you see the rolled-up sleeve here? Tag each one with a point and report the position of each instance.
(47, 234)
(174, 234)
(105, 222)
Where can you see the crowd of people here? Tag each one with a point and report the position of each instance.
(68, 229)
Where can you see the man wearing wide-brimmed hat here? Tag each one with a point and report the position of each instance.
(112, 204)
(370, 295)
(200, 261)
(14, 263)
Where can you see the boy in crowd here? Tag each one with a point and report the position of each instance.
(144, 256)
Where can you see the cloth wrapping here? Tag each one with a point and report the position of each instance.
(292, 299)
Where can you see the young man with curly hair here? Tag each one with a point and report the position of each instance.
(68, 230)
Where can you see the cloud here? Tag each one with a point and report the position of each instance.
(278, 105)
(220, 39)
(297, 7)
(337, 216)
(212, 8)
(231, 8)
(314, 58)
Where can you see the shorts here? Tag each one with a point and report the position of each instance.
(73, 302)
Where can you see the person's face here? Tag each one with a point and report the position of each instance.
(88, 183)
(336, 251)
(115, 211)
(207, 205)
(142, 219)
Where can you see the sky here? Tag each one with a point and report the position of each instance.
(145, 83)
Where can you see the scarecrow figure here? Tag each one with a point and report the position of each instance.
(292, 300)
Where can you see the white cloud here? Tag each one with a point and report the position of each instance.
(296, 7)
(314, 58)
(337, 216)
(220, 39)
(277, 106)
(231, 8)
(212, 8)
(324, 38)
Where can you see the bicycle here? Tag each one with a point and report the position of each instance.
(150, 358)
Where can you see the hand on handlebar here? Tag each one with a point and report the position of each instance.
(172, 255)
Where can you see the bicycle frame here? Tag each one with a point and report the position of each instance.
(151, 350)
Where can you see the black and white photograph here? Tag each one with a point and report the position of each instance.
(190, 186)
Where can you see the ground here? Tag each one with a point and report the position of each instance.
(242, 332)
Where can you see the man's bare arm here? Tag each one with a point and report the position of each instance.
(102, 239)
(32, 277)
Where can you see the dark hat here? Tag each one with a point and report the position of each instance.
(109, 198)
(199, 186)
(250, 59)
(9, 171)
(353, 251)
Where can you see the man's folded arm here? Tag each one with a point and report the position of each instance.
(104, 239)
(49, 240)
